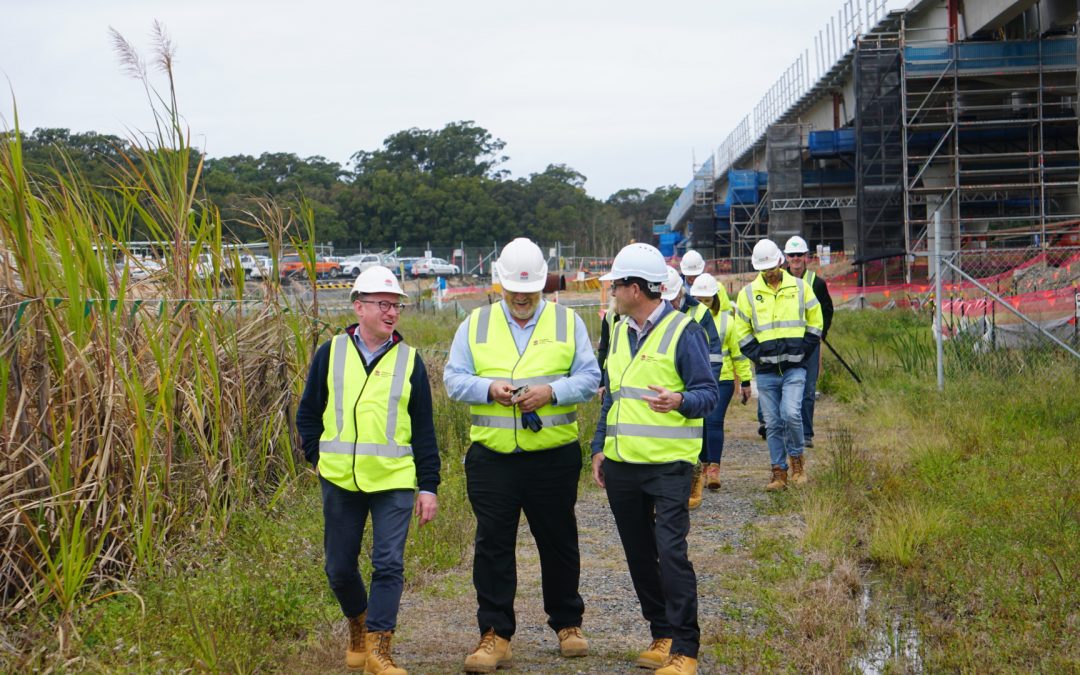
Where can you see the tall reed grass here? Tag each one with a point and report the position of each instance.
(131, 409)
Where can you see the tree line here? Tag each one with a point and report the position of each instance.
(421, 186)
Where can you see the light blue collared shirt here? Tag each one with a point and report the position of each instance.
(463, 384)
(367, 353)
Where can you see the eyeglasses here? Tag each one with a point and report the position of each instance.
(620, 283)
(385, 306)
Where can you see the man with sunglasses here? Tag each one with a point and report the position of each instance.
(777, 323)
(798, 256)
(365, 420)
(647, 441)
(523, 365)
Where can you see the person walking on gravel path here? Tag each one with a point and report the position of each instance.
(675, 291)
(733, 363)
(797, 253)
(648, 438)
(778, 322)
(365, 420)
(523, 365)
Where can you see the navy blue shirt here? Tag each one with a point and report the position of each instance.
(692, 364)
(309, 414)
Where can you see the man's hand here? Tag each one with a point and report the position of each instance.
(665, 401)
(598, 469)
(426, 507)
(744, 393)
(500, 392)
(534, 398)
(600, 392)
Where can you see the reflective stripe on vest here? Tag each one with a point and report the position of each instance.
(635, 433)
(367, 431)
(546, 359)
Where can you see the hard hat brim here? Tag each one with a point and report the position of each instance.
(527, 287)
(761, 267)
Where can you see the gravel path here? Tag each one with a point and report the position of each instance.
(438, 620)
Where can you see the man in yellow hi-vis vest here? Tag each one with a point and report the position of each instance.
(777, 323)
(659, 388)
(523, 365)
(365, 419)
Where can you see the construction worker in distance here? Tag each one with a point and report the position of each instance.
(777, 323)
(365, 419)
(523, 365)
(797, 253)
(692, 266)
(674, 291)
(648, 438)
(733, 363)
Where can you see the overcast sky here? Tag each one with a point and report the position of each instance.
(628, 93)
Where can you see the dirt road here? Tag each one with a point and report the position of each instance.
(437, 621)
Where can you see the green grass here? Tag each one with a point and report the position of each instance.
(964, 500)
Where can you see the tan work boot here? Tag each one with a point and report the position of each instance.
(696, 487)
(492, 653)
(779, 479)
(678, 664)
(379, 660)
(572, 642)
(356, 651)
(798, 474)
(656, 655)
(712, 476)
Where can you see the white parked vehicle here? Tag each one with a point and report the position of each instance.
(361, 262)
(434, 267)
(139, 268)
(256, 266)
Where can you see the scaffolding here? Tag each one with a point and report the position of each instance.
(990, 134)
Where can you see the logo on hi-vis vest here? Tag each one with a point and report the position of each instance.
(542, 341)
(648, 357)
(381, 373)
(759, 298)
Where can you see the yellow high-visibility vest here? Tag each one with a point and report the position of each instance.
(546, 359)
(366, 442)
(635, 433)
(786, 313)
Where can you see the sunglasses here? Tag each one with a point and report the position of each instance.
(796, 255)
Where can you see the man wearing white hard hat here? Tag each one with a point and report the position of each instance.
(674, 291)
(523, 365)
(659, 388)
(777, 323)
(365, 420)
(797, 253)
(692, 266)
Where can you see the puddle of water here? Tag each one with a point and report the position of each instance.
(894, 641)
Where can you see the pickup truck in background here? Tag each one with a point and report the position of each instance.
(293, 266)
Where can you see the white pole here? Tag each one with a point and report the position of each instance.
(939, 334)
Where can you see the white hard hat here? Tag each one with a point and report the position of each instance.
(669, 290)
(522, 267)
(796, 245)
(692, 264)
(705, 286)
(766, 256)
(638, 260)
(377, 279)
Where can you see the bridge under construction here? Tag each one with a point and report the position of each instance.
(894, 114)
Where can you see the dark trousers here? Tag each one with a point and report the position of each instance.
(344, 516)
(649, 505)
(544, 485)
(813, 366)
(712, 449)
